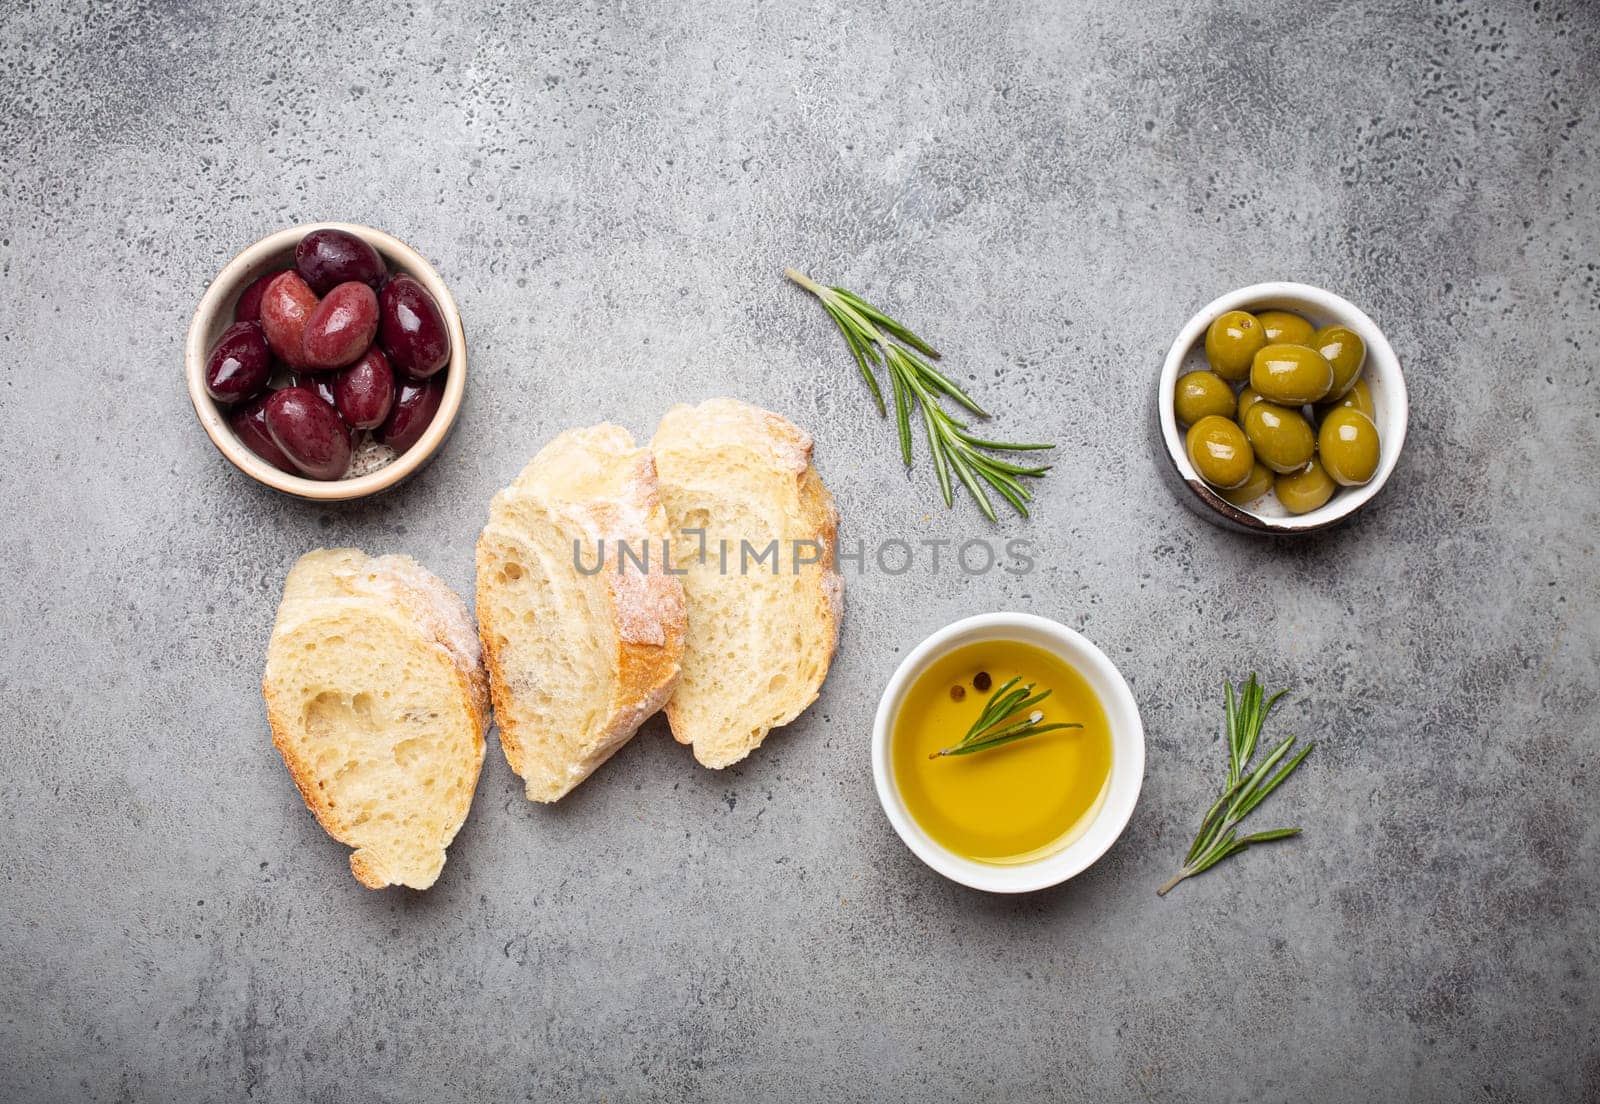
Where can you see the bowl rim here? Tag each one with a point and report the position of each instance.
(219, 297)
(1127, 753)
(1381, 362)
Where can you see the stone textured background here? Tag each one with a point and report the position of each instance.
(1045, 189)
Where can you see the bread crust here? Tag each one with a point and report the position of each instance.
(646, 610)
(413, 601)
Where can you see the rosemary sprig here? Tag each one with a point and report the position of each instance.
(1247, 786)
(998, 723)
(918, 384)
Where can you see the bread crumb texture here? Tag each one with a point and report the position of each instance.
(378, 703)
(761, 634)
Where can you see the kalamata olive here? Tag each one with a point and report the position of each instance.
(248, 308)
(249, 425)
(326, 258)
(364, 392)
(309, 432)
(411, 329)
(341, 327)
(239, 365)
(414, 408)
(320, 382)
(285, 306)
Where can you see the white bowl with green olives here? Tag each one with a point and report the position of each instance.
(1282, 409)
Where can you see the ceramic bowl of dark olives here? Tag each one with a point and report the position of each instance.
(327, 361)
(1281, 409)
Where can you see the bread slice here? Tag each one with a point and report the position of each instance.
(577, 661)
(761, 634)
(378, 704)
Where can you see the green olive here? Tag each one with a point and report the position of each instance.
(1247, 399)
(1359, 397)
(1231, 341)
(1348, 443)
(1304, 490)
(1285, 328)
(1281, 437)
(1259, 483)
(1200, 394)
(1220, 452)
(1290, 374)
(1343, 348)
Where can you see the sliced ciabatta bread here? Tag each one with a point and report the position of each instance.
(378, 704)
(761, 633)
(577, 659)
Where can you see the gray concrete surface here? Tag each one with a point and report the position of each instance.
(1047, 190)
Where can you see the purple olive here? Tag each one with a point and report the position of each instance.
(248, 308)
(320, 382)
(341, 327)
(309, 432)
(285, 306)
(414, 408)
(364, 392)
(326, 258)
(249, 425)
(240, 364)
(411, 329)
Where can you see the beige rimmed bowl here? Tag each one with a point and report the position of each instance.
(215, 314)
(1384, 380)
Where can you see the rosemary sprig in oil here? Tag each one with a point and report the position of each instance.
(917, 384)
(1247, 786)
(999, 722)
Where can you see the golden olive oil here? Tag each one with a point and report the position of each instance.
(1009, 804)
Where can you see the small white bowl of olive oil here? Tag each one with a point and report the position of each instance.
(1033, 811)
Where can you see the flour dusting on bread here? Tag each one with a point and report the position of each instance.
(577, 660)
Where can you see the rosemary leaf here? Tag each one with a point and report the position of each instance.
(1009, 715)
(941, 465)
(861, 352)
(1248, 788)
(1272, 784)
(960, 463)
(984, 745)
(902, 414)
(1245, 713)
(896, 330)
(876, 340)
